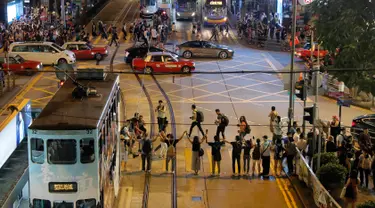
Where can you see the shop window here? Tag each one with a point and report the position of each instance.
(41, 203)
(86, 203)
(87, 147)
(62, 151)
(37, 150)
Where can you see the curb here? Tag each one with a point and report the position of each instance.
(295, 189)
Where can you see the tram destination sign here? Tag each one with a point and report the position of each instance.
(62, 187)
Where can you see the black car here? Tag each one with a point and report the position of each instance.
(141, 51)
(361, 122)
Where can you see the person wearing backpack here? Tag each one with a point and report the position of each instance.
(265, 154)
(216, 154)
(278, 156)
(236, 155)
(244, 127)
(197, 118)
(146, 154)
(365, 168)
(291, 152)
(196, 149)
(256, 157)
(221, 121)
(171, 142)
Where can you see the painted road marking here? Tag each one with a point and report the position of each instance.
(188, 155)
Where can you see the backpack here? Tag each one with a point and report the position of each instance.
(201, 152)
(147, 147)
(224, 120)
(366, 163)
(247, 129)
(200, 117)
(171, 151)
(256, 152)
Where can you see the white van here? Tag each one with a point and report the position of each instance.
(46, 52)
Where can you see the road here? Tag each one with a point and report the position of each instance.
(250, 95)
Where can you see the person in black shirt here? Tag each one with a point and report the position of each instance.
(330, 145)
(196, 146)
(236, 154)
(246, 155)
(216, 154)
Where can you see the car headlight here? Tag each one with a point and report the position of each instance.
(92, 53)
(225, 19)
(205, 18)
(230, 50)
(297, 54)
(193, 14)
(178, 13)
(38, 67)
(106, 51)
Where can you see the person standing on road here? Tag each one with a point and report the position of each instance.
(351, 192)
(214, 33)
(364, 168)
(197, 118)
(160, 109)
(364, 141)
(124, 31)
(256, 156)
(196, 148)
(114, 37)
(236, 155)
(221, 121)
(272, 115)
(291, 152)
(266, 156)
(146, 144)
(171, 151)
(278, 156)
(246, 156)
(277, 132)
(216, 154)
(154, 35)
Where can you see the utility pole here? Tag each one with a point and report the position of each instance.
(316, 111)
(305, 76)
(291, 94)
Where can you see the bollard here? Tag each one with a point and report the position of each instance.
(173, 79)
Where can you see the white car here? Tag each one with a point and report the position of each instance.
(46, 52)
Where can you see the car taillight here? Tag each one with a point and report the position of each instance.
(61, 83)
(353, 123)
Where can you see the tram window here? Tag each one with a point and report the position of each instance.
(87, 150)
(63, 204)
(41, 203)
(86, 203)
(37, 150)
(62, 151)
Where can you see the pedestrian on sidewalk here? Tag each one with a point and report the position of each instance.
(330, 145)
(266, 156)
(216, 154)
(291, 152)
(351, 192)
(196, 155)
(365, 168)
(278, 156)
(236, 155)
(277, 129)
(197, 118)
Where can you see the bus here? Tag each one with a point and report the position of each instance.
(215, 12)
(186, 9)
(148, 8)
(74, 147)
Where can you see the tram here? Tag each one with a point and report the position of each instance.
(74, 146)
(215, 12)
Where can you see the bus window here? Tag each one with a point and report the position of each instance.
(61, 151)
(63, 204)
(87, 150)
(37, 150)
(86, 203)
(41, 203)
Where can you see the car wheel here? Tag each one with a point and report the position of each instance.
(98, 57)
(187, 54)
(185, 69)
(62, 61)
(223, 55)
(148, 70)
(28, 72)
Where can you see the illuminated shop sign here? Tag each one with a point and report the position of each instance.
(62, 187)
(219, 3)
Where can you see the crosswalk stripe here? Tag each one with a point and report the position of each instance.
(188, 155)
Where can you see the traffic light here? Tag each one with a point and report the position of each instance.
(310, 114)
(300, 90)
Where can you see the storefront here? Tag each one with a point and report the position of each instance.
(14, 10)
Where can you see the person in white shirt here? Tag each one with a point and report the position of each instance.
(265, 154)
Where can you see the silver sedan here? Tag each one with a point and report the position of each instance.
(204, 49)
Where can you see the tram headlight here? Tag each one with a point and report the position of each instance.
(193, 14)
(205, 18)
(178, 13)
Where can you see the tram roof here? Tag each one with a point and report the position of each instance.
(64, 112)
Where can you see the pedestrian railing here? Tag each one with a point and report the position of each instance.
(322, 197)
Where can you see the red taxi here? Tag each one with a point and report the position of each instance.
(82, 50)
(163, 62)
(19, 65)
(305, 52)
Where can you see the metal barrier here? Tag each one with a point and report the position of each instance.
(321, 196)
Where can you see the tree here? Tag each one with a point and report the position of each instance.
(348, 25)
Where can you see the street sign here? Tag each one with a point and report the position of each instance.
(335, 94)
(344, 102)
